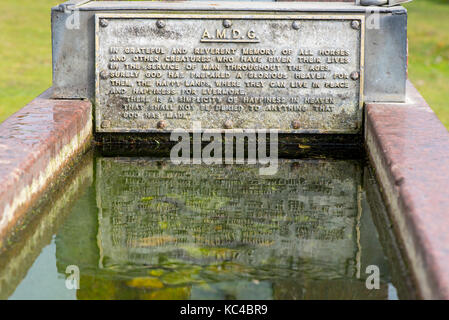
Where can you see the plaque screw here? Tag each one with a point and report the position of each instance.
(228, 124)
(105, 124)
(295, 25)
(355, 24)
(104, 23)
(160, 24)
(355, 75)
(161, 124)
(227, 23)
(103, 75)
(296, 124)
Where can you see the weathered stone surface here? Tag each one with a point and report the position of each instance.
(292, 73)
(409, 148)
(36, 143)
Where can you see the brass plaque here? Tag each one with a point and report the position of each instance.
(294, 73)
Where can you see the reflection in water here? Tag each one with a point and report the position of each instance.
(167, 231)
(36, 232)
(148, 229)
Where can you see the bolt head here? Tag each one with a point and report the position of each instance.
(105, 124)
(355, 24)
(295, 25)
(162, 124)
(103, 75)
(160, 23)
(355, 75)
(296, 124)
(227, 23)
(227, 124)
(104, 23)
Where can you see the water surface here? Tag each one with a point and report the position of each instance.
(143, 228)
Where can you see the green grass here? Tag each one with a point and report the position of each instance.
(428, 33)
(25, 52)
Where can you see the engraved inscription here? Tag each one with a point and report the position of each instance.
(257, 73)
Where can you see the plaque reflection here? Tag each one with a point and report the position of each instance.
(163, 231)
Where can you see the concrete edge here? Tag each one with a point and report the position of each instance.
(409, 149)
(37, 143)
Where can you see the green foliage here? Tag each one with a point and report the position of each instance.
(25, 52)
(428, 33)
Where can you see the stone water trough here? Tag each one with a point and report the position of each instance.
(330, 77)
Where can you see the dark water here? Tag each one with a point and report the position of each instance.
(141, 228)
